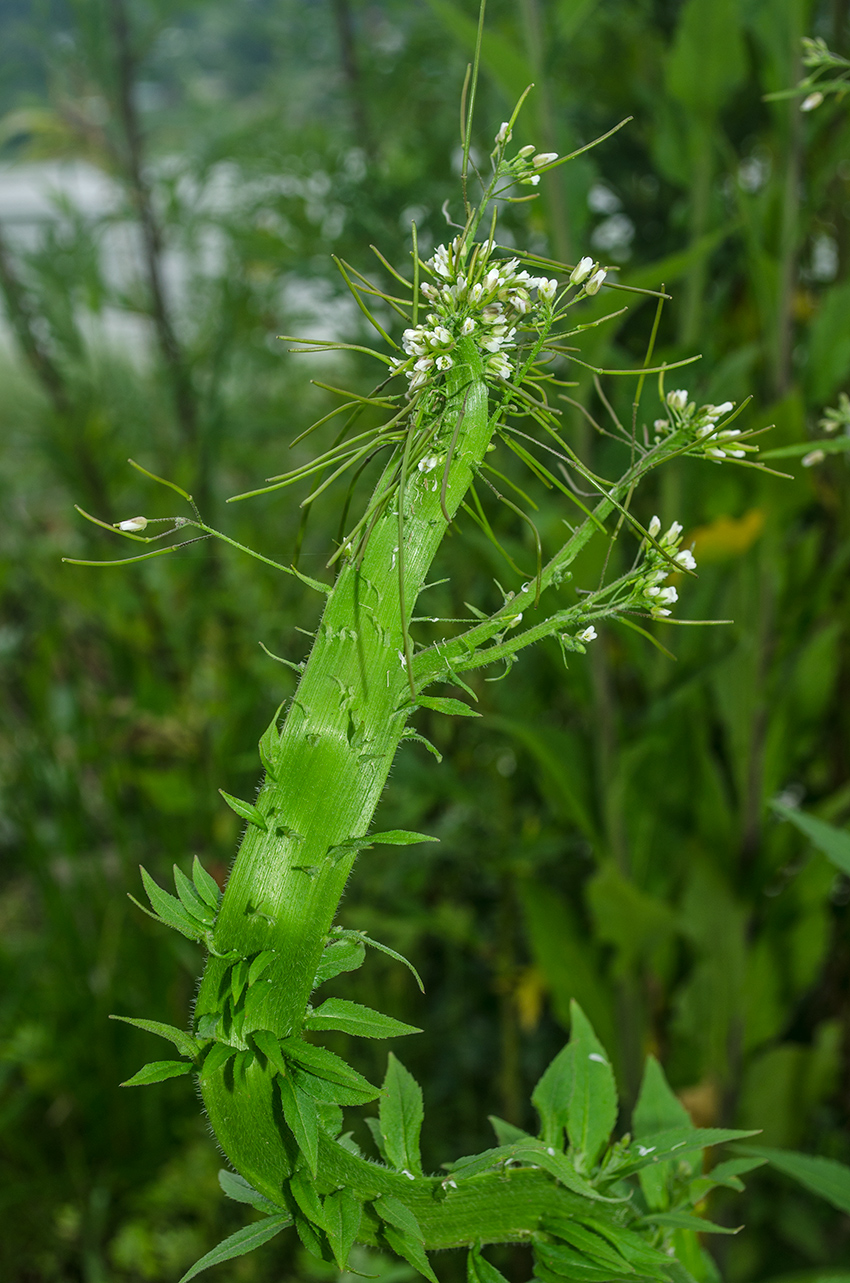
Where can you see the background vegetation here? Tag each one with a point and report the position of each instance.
(604, 831)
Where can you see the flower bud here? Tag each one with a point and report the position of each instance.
(546, 288)
(504, 134)
(544, 158)
(811, 101)
(581, 271)
(133, 524)
(594, 285)
(526, 151)
(809, 460)
(654, 527)
(678, 399)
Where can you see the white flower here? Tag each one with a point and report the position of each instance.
(544, 158)
(661, 425)
(468, 326)
(532, 181)
(715, 453)
(135, 523)
(673, 533)
(811, 101)
(594, 285)
(686, 559)
(504, 134)
(441, 336)
(725, 408)
(444, 362)
(526, 151)
(668, 595)
(499, 366)
(808, 461)
(587, 634)
(581, 270)
(654, 527)
(546, 288)
(678, 399)
(424, 363)
(430, 291)
(428, 464)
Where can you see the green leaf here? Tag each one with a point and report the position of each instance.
(445, 704)
(269, 1044)
(658, 1108)
(325, 1064)
(377, 1136)
(246, 810)
(216, 1058)
(686, 1221)
(411, 1250)
(269, 741)
(328, 1093)
(205, 884)
(507, 1133)
(400, 837)
(401, 1113)
(259, 965)
(567, 1263)
(185, 1043)
(551, 1096)
(236, 1187)
(240, 1243)
(313, 1239)
(410, 734)
(302, 1119)
(191, 901)
(832, 842)
(674, 1143)
(306, 1196)
(636, 1251)
(345, 953)
(391, 953)
(479, 1270)
(170, 910)
(352, 1018)
(823, 1176)
(402, 1232)
(560, 1166)
(592, 1103)
(157, 1072)
(342, 1214)
(586, 1241)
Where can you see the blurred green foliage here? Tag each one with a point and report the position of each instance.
(604, 831)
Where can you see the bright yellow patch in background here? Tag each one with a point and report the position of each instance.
(727, 536)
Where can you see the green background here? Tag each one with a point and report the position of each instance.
(604, 831)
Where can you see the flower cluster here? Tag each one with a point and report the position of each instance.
(713, 441)
(528, 163)
(473, 295)
(484, 299)
(661, 561)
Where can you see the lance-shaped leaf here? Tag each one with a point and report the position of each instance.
(823, 1176)
(246, 810)
(328, 1093)
(687, 1221)
(302, 1119)
(191, 901)
(168, 909)
(216, 1058)
(185, 1043)
(451, 707)
(586, 1241)
(559, 1166)
(305, 1194)
(551, 1096)
(344, 953)
(401, 1113)
(205, 884)
(648, 1261)
(384, 948)
(342, 1214)
(400, 837)
(834, 843)
(157, 1072)
(326, 1064)
(592, 1103)
(674, 1144)
(563, 1262)
(260, 965)
(479, 1270)
(352, 1018)
(269, 1044)
(240, 1243)
(236, 1187)
(657, 1109)
(269, 741)
(402, 1232)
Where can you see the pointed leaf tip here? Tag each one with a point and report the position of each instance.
(246, 810)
